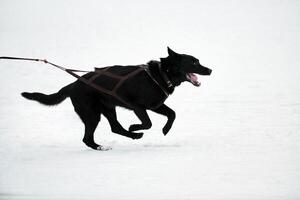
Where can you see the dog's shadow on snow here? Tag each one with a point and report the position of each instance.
(143, 147)
(161, 145)
(119, 147)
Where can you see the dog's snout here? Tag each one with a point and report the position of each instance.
(209, 71)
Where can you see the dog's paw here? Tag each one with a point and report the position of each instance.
(133, 127)
(136, 136)
(102, 148)
(165, 131)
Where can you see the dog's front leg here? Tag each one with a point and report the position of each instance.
(116, 127)
(143, 116)
(168, 112)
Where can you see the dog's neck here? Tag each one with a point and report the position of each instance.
(165, 77)
(161, 76)
(166, 65)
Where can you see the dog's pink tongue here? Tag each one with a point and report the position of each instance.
(194, 78)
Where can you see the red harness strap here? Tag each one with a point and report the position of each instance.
(121, 79)
(112, 92)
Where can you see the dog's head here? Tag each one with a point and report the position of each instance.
(182, 67)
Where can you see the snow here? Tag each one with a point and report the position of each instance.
(235, 137)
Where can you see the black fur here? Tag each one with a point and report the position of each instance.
(52, 99)
(140, 91)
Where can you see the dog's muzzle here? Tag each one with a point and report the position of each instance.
(192, 78)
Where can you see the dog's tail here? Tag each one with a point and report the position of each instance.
(51, 99)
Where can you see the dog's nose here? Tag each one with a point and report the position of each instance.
(209, 71)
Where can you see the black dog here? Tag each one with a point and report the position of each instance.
(148, 89)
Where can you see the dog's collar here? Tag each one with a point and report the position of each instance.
(165, 77)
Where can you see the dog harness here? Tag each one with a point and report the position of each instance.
(120, 80)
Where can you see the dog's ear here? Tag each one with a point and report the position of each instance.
(171, 52)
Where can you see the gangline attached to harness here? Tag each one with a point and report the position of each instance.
(98, 72)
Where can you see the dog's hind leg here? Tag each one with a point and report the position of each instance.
(90, 116)
(116, 127)
(168, 112)
(143, 116)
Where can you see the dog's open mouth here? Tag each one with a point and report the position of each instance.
(193, 79)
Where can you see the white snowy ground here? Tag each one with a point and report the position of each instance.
(235, 137)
